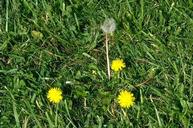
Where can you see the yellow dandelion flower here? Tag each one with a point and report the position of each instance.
(54, 95)
(126, 99)
(117, 65)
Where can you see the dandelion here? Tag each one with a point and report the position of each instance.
(54, 95)
(126, 99)
(108, 26)
(117, 65)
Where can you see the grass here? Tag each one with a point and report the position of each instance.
(154, 38)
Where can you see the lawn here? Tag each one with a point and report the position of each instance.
(59, 45)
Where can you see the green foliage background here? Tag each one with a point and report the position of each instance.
(155, 39)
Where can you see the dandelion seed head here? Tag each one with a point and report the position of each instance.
(109, 25)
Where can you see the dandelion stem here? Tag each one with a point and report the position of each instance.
(7, 15)
(107, 56)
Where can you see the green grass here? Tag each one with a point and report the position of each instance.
(155, 39)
